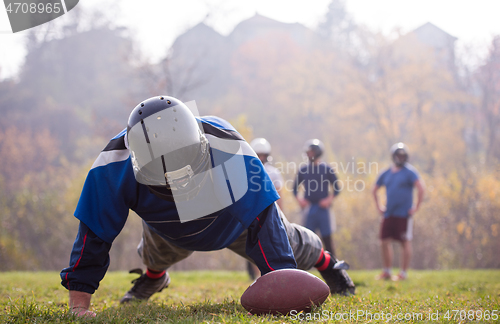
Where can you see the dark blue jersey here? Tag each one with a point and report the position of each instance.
(316, 180)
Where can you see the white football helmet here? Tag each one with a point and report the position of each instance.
(316, 146)
(400, 153)
(261, 146)
(167, 147)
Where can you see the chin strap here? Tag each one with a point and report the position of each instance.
(161, 192)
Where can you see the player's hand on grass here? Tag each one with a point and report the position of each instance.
(82, 312)
(79, 303)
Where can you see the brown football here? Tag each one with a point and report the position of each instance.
(281, 291)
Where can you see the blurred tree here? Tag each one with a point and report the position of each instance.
(32, 179)
(70, 94)
(172, 76)
(488, 77)
(76, 81)
(339, 28)
(359, 92)
(407, 94)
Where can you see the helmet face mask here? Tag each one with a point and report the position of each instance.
(264, 158)
(179, 179)
(400, 158)
(263, 149)
(314, 149)
(399, 154)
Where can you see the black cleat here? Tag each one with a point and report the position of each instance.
(337, 278)
(144, 287)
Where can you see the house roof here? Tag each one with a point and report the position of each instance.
(432, 35)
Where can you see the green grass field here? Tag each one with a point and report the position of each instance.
(213, 296)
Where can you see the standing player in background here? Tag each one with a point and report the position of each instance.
(263, 149)
(317, 178)
(399, 181)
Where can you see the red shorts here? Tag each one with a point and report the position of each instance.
(397, 228)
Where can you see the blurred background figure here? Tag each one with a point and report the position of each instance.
(263, 149)
(320, 188)
(397, 223)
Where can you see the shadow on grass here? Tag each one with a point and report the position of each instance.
(141, 312)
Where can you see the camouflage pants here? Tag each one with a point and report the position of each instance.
(159, 254)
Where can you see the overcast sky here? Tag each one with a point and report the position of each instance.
(156, 24)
